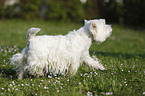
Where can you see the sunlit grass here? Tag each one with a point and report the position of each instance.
(123, 55)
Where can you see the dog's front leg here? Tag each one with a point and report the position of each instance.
(94, 63)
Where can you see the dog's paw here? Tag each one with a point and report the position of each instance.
(102, 68)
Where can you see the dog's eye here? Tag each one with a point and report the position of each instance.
(94, 26)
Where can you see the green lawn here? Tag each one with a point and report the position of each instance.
(123, 54)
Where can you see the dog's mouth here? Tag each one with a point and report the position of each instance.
(98, 42)
(109, 34)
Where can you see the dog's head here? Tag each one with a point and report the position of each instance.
(99, 30)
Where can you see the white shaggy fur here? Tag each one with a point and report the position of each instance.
(60, 54)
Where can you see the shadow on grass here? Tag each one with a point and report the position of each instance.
(8, 73)
(119, 54)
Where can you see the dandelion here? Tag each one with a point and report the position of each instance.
(1, 50)
(11, 85)
(95, 73)
(55, 75)
(60, 87)
(27, 84)
(8, 89)
(5, 51)
(57, 90)
(109, 93)
(46, 87)
(11, 76)
(50, 73)
(89, 93)
(49, 76)
(61, 83)
(54, 83)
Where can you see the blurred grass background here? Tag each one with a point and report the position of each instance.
(126, 12)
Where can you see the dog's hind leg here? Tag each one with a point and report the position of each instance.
(19, 60)
(74, 67)
(20, 72)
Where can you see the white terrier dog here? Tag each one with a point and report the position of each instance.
(61, 54)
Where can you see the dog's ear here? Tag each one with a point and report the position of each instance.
(93, 28)
(86, 21)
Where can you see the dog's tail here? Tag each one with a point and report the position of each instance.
(18, 60)
(32, 32)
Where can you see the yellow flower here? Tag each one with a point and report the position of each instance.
(141, 40)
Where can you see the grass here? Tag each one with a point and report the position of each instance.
(123, 54)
